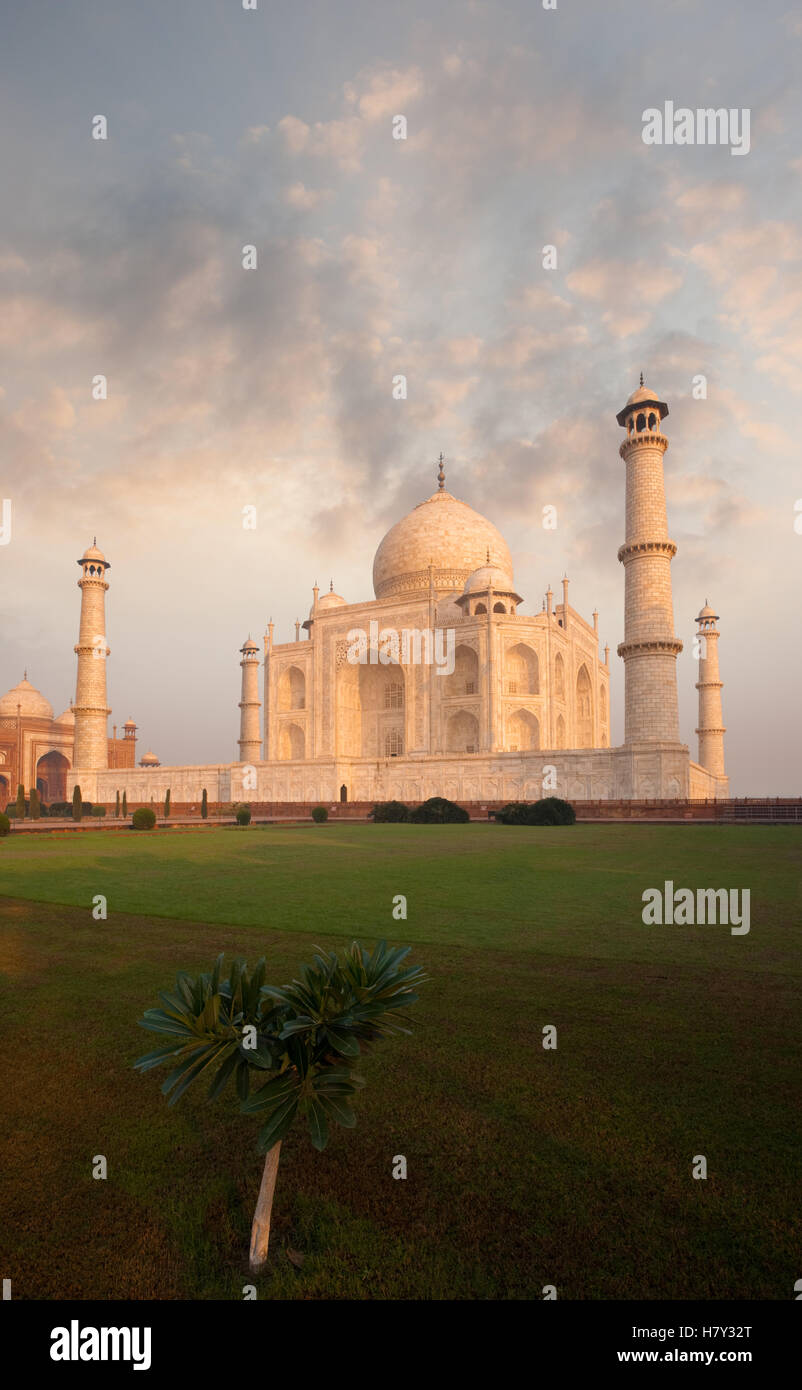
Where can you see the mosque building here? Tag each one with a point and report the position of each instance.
(440, 684)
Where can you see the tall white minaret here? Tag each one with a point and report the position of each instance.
(649, 648)
(711, 729)
(91, 748)
(250, 743)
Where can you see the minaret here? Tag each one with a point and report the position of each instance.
(250, 743)
(91, 748)
(649, 648)
(711, 727)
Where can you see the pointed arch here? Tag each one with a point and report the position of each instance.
(584, 709)
(523, 731)
(292, 742)
(521, 674)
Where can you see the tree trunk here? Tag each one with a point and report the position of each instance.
(260, 1230)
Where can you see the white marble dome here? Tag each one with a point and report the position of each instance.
(484, 576)
(443, 532)
(32, 703)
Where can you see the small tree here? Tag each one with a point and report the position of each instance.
(5, 824)
(167, 804)
(439, 811)
(125, 805)
(117, 805)
(320, 814)
(243, 815)
(204, 805)
(144, 818)
(305, 1039)
(392, 811)
(77, 803)
(36, 805)
(20, 802)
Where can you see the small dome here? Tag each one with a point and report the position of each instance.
(485, 576)
(31, 701)
(331, 600)
(250, 646)
(641, 394)
(129, 724)
(444, 533)
(706, 612)
(149, 760)
(68, 717)
(93, 553)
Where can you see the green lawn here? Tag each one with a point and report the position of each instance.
(526, 1167)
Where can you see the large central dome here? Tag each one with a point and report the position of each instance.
(444, 533)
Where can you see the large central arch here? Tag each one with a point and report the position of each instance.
(51, 776)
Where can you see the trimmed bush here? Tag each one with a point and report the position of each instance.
(167, 804)
(144, 818)
(117, 806)
(439, 811)
(77, 804)
(243, 815)
(550, 811)
(390, 811)
(98, 811)
(5, 824)
(204, 804)
(320, 814)
(125, 805)
(36, 805)
(61, 808)
(22, 805)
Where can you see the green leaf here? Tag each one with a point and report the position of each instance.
(223, 1074)
(149, 1060)
(339, 1109)
(318, 1125)
(342, 1041)
(278, 1124)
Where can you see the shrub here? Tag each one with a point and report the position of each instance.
(550, 811)
(439, 811)
(77, 806)
(125, 805)
(5, 824)
(319, 814)
(167, 804)
(22, 805)
(98, 811)
(243, 815)
(394, 811)
(144, 818)
(61, 808)
(204, 804)
(36, 805)
(117, 805)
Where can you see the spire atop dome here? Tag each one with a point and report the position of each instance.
(641, 378)
(441, 476)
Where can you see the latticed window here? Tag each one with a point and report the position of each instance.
(394, 695)
(393, 743)
(470, 687)
(512, 687)
(470, 748)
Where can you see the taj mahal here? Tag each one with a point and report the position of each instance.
(519, 710)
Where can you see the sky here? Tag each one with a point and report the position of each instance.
(377, 257)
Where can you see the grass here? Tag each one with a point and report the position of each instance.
(526, 1167)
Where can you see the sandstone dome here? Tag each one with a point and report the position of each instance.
(68, 717)
(31, 701)
(443, 532)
